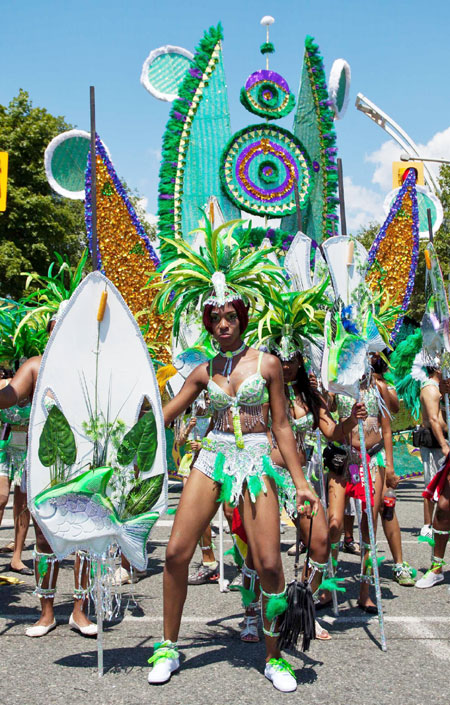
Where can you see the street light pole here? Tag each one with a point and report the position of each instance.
(405, 157)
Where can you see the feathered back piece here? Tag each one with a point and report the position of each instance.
(402, 360)
(221, 272)
(290, 319)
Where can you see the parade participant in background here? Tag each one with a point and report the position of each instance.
(234, 463)
(12, 462)
(432, 441)
(378, 439)
(434, 450)
(284, 329)
(403, 574)
(306, 411)
(191, 431)
(22, 387)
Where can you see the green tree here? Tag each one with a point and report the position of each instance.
(441, 242)
(37, 222)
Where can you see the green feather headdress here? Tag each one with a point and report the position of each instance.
(290, 319)
(223, 270)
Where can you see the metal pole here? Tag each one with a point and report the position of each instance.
(373, 549)
(297, 206)
(93, 182)
(341, 198)
(223, 585)
(99, 606)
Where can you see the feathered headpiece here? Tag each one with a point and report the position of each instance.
(290, 319)
(221, 272)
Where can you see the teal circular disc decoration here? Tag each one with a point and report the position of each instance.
(65, 162)
(164, 70)
(425, 200)
(260, 166)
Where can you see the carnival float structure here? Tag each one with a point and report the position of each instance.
(290, 179)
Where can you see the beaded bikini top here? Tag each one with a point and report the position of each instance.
(250, 397)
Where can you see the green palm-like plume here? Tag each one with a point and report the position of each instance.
(188, 279)
(57, 286)
(293, 316)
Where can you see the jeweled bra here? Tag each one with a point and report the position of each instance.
(250, 397)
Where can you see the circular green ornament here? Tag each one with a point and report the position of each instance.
(261, 165)
(267, 94)
(65, 162)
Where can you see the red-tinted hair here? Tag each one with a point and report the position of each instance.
(241, 311)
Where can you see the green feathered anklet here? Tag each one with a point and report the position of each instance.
(276, 604)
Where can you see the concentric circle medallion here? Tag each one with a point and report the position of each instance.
(261, 164)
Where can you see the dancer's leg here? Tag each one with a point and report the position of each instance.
(441, 530)
(336, 509)
(4, 494)
(262, 525)
(196, 508)
(21, 524)
(320, 542)
(251, 602)
(393, 535)
(46, 570)
(81, 576)
(364, 597)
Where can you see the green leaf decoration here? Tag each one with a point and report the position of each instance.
(57, 441)
(143, 496)
(140, 442)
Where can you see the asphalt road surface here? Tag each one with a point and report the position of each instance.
(217, 668)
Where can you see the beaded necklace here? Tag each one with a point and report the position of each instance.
(230, 354)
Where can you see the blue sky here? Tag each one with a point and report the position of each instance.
(399, 53)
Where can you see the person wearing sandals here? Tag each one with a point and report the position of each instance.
(306, 411)
(378, 439)
(22, 387)
(234, 463)
(13, 451)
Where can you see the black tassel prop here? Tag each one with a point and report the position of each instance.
(300, 615)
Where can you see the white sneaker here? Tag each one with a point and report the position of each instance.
(165, 661)
(426, 530)
(429, 579)
(281, 673)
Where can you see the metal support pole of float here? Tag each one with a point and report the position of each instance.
(93, 182)
(99, 610)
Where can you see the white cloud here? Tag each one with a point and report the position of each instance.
(389, 152)
(149, 217)
(363, 206)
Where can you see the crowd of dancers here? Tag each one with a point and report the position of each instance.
(263, 436)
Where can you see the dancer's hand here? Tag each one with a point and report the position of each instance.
(196, 446)
(307, 502)
(359, 411)
(392, 480)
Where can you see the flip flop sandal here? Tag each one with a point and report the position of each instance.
(321, 633)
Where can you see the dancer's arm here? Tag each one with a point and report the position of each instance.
(21, 385)
(339, 431)
(430, 398)
(282, 431)
(195, 383)
(392, 479)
